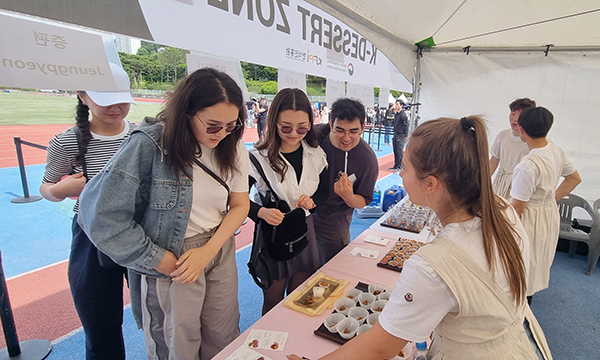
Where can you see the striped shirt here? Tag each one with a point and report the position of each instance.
(63, 150)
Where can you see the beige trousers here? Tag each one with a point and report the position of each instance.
(193, 321)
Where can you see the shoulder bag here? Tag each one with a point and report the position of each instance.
(276, 243)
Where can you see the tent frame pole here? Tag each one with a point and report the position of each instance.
(416, 90)
(541, 49)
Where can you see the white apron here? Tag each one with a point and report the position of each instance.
(488, 325)
(502, 183)
(542, 224)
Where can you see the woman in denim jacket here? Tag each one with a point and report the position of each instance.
(156, 209)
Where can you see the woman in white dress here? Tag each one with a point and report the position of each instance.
(468, 285)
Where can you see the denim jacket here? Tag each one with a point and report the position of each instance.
(136, 207)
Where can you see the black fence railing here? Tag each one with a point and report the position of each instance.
(26, 197)
(374, 134)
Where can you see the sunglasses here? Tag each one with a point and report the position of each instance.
(288, 129)
(216, 129)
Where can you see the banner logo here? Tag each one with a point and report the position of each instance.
(350, 69)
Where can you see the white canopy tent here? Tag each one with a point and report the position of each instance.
(488, 53)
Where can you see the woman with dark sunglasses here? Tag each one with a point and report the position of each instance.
(167, 205)
(296, 168)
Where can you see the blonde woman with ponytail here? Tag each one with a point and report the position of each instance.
(468, 285)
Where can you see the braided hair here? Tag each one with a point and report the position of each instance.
(83, 123)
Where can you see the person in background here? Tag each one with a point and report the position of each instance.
(468, 284)
(296, 168)
(388, 122)
(96, 287)
(508, 149)
(251, 112)
(353, 171)
(167, 205)
(261, 125)
(535, 190)
(325, 115)
(400, 134)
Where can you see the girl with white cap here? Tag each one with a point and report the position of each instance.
(74, 157)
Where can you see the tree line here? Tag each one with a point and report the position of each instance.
(159, 67)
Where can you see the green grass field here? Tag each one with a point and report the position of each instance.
(20, 108)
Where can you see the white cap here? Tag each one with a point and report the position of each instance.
(107, 98)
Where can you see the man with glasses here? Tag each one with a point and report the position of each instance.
(353, 170)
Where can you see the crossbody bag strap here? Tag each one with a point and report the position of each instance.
(261, 172)
(82, 151)
(219, 180)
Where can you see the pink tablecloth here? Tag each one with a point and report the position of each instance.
(301, 338)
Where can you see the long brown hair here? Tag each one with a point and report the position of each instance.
(203, 88)
(286, 99)
(456, 152)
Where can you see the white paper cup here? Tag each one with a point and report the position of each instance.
(366, 299)
(384, 296)
(354, 293)
(376, 289)
(378, 305)
(332, 320)
(318, 291)
(344, 304)
(372, 319)
(347, 328)
(407, 351)
(363, 328)
(358, 313)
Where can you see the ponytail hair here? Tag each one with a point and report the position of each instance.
(456, 152)
(83, 123)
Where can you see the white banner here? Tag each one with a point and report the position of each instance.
(231, 67)
(384, 94)
(364, 93)
(289, 34)
(290, 79)
(37, 55)
(334, 90)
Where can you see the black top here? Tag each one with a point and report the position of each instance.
(334, 213)
(401, 123)
(295, 159)
(262, 117)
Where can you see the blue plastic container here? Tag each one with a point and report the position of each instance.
(392, 196)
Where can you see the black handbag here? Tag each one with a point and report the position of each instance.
(277, 243)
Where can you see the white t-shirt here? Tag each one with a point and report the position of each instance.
(509, 149)
(210, 197)
(432, 298)
(527, 174)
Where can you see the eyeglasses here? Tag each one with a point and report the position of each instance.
(216, 129)
(288, 129)
(353, 133)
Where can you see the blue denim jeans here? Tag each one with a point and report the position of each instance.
(388, 134)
